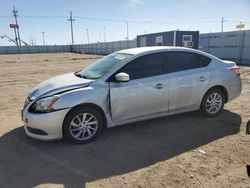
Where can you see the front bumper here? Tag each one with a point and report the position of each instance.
(49, 123)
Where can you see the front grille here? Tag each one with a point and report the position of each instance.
(37, 131)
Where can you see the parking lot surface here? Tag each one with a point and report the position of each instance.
(185, 150)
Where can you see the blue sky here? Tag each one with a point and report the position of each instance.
(50, 16)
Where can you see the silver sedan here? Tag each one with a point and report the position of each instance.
(128, 86)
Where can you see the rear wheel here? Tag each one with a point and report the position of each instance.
(82, 125)
(212, 103)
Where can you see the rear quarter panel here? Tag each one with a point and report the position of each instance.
(222, 76)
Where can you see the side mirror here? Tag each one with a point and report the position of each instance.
(122, 77)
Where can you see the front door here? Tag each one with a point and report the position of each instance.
(145, 94)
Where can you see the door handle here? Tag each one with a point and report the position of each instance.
(202, 78)
(158, 86)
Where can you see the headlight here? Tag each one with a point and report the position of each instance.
(44, 105)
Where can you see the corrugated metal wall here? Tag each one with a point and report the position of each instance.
(233, 45)
(102, 48)
(94, 48)
(228, 45)
(34, 49)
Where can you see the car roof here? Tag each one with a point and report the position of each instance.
(146, 50)
(139, 50)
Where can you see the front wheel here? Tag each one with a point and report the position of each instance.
(212, 103)
(82, 125)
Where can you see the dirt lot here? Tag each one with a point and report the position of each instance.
(157, 153)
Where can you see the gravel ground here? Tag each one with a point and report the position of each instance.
(185, 150)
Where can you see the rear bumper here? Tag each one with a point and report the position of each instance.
(47, 126)
(234, 88)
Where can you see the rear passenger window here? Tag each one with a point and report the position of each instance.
(180, 61)
(205, 61)
(145, 66)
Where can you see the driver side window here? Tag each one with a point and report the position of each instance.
(145, 66)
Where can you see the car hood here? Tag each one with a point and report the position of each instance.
(58, 84)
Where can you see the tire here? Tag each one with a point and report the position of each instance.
(81, 133)
(212, 103)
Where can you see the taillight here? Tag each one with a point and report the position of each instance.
(236, 70)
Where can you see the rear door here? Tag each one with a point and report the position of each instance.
(146, 92)
(188, 79)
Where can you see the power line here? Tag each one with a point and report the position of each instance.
(71, 24)
(116, 20)
(130, 21)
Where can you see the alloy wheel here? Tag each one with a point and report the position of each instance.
(214, 103)
(83, 126)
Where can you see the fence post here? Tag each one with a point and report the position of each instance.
(105, 48)
(100, 48)
(6, 50)
(208, 47)
(112, 47)
(223, 47)
(240, 58)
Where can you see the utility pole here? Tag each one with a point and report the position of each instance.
(222, 24)
(71, 23)
(100, 37)
(15, 14)
(16, 37)
(127, 30)
(43, 37)
(87, 35)
(31, 40)
(104, 30)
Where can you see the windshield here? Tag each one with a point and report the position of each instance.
(103, 66)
